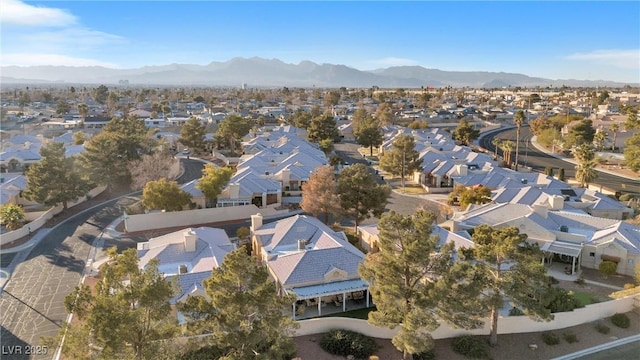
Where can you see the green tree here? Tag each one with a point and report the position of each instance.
(301, 119)
(561, 176)
(403, 158)
(548, 171)
(54, 179)
(614, 128)
(370, 136)
(319, 194)
(107, 154)
(519, 120)
(359, 193)
(586, 168)
(599, 139)
(63, 107)
(121, 319)
(418, 124)
(100, 94)
(507, 146)
(322, 127)
(213, 181)
(465, 133)
(384, 114)
(506, 266)
(243, 311)
(326, 145)
(164, 195)
(79, 138)
(405, 280)
(24, 100)
(11, 216)
(361, 118)
(632, 122)
(192, 134)
(231, 131)
(331, 98)
(465, 196)
(632, 152)
(581, 133)
(608, 268)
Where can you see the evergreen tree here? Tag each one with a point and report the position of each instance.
(213, 181)
(243, 311)
(11, 216)
(54, 179)
(632, 152)
(319, 194)
(121, 319)
(366, 130)
(465, 133)
(405, 279)
(164, 195)
(561, 174)
(403, 158)
(231, 131)
(192, 134)
(359, 193)
(502, 264)
(322, 127)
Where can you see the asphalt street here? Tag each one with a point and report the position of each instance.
(32, 303)
(538, 161)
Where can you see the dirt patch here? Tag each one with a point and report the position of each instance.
(510, 346)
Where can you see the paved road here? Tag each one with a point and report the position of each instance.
(32, 303)
(538, 160)
(626, 351)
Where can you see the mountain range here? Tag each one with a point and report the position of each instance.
(259, 72)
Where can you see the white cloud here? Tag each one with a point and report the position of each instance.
(395, 61)
(18, 13)
(73, 37)
(620, 58)
(27, 59)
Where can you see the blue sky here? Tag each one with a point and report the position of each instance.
(557, 40)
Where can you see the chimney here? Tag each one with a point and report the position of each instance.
(556, 202)
(462, 169)
(234, 191)
(301, 244)
(541, 209)
(286, 177)
(256, 221)
(190, 240)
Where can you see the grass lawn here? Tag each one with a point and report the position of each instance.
(411, 189)
(584, 298)
(354, 314)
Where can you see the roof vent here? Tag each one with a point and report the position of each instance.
(301, 244)
(564, 228)
(182, 269)
(524, 181)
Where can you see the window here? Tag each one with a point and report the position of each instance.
(592, 254)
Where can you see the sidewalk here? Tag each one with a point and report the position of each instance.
(572, 161)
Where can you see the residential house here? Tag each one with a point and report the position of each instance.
(307, 258)
(188, 256)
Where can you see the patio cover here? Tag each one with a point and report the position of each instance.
(563, 248)
(328, 289)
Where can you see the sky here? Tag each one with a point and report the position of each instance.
(556, 40)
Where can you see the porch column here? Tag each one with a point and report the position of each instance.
(367, 297)
(573, 265)
(319, 306)
(294, 310)
(344, 302)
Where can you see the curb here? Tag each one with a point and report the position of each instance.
(595, 349)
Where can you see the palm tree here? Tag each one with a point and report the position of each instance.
(507, 147)
(519, 121)
(496, 143)
(586, 173)
(614, 128)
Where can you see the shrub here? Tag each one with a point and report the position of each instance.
(471, 347)
(427, 355)
(515, 312)
(551, 280)
(602, 328)
(570, 337)
(626, 197)
(579, 281)
(608, 268)
(550, 338)
(629, 286)
(560, 300)
(621, 320)
(344, 343)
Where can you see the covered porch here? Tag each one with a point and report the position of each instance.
(316, 300)
(568, 253)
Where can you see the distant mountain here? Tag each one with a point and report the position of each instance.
(273, 72)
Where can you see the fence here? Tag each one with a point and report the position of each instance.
(506, 325)
(43, 217)
(159, 220)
